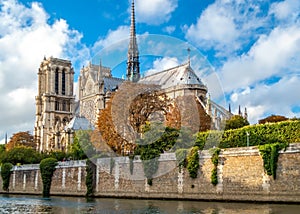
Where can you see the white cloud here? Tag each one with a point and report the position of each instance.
(263, 100)
(154, 12)
(258, 47)
(170, 29)
(210, 27)
(286, 10)
(225, 26)
(162, 64)
(25, 38)
(271, 55)
(112, 37)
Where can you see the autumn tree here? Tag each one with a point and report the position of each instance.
(107, 130)
(121, 123)
(21, 139)
(272, 119)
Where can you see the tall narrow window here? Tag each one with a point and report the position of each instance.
(64, 107)
(63, 82)
(56, 106)
(56, 81)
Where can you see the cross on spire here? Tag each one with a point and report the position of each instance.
(189, 55)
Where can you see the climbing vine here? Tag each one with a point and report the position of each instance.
(5, 174)
(150, 163)
(270, 154)
(215, 161)
(131, 157)
(90, 178)
(47, 167)
(111, 165)
(181, 155)
(193, 162)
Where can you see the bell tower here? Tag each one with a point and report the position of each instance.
(133, 64)
(54, 102)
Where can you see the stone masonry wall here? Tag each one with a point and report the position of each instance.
(241, 177)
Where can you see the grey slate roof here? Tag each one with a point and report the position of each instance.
(79, 123)
(111, 83)
(180, 75)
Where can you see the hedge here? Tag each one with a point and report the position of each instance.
(282, 132)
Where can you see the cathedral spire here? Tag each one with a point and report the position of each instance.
(133, 65)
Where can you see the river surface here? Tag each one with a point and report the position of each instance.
(69, 205)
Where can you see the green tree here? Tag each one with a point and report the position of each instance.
(47, 167)
(82, 146)
(236, 122)
(5, 174)
(21, 155)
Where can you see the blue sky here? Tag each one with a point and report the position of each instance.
(252, 46)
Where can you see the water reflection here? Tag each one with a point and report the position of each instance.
(66, 205)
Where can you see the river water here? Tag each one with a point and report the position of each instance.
(69, 205)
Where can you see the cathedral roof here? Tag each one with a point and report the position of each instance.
(111, 83)
(79, 123)
(180, 75)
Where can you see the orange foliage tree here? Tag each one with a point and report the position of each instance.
(129, 109)
(21, 139)
(108, 133)
(272, 119)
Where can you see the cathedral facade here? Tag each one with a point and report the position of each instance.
(58, 116)
(54, 103)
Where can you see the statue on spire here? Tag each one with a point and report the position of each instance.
(133, 64)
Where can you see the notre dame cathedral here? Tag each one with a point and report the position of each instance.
(58, 115)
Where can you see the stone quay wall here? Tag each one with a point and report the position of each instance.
(241, 177)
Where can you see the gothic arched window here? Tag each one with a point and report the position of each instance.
(63, 82)
(56, 81)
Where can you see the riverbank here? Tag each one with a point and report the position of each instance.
(240, 174)
(34, 204)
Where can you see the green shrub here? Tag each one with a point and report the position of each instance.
(215, 160)
(111, 165)
(90, 180)
(131, 158)
(5, 174)
(47, 167)
(214, 176)
(193, 162)
(181, 157)
(21, 155)
(164, 139)
(269, 153)
(286, 131)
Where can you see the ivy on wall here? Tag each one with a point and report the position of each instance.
(131, 157)
(270, 154)
(193, 162)
(181, 155)
(150, 164)
(5, 174)
(215, 161)
(111, 165)
(90, 179)
(47, 167)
